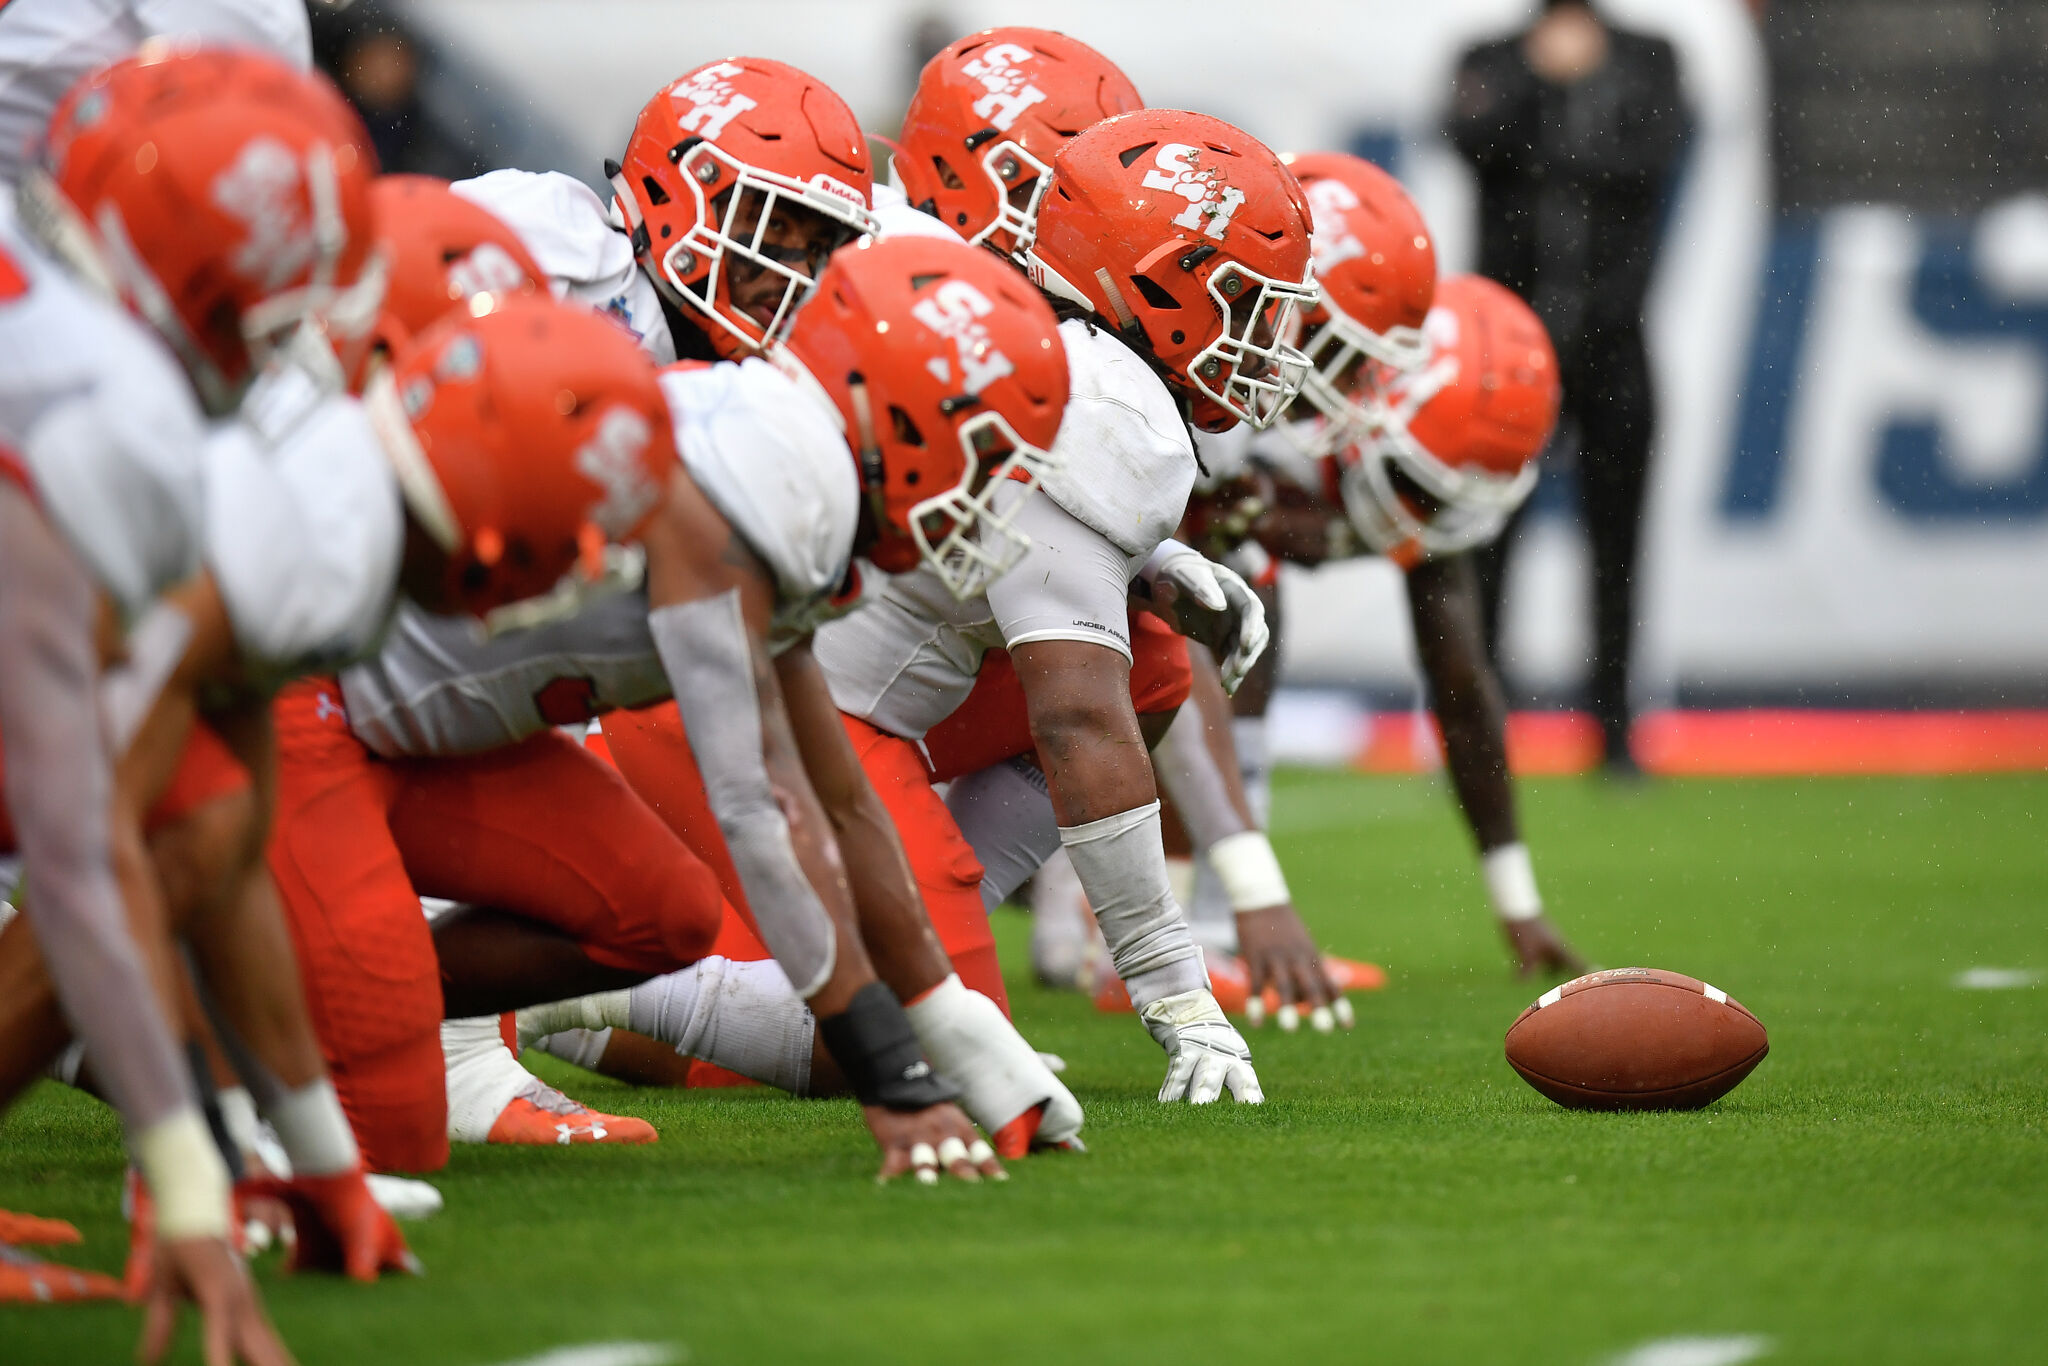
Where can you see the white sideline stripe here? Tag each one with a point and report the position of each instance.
(1728, 1351)
(1997, 979)
(608, 1354)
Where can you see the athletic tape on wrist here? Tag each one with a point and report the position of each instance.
(1511, 882)
(186, 1177)
(876, 1048)
(1250, 871)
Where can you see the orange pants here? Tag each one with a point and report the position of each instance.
(992, 724)
(207, 771)
(540, 829)
(650, 749)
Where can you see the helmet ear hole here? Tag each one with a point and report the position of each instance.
(1154, 293)
(655, 194)
(948, 177)
(906, 431)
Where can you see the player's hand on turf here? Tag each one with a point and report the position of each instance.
(1278, 953)
(1540, 951)
(1211, 603)
(1204, 1052)
(926, 1142)
(339, 1226)
(206, 1272)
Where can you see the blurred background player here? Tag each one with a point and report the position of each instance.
(1575, 128)
(1448, 457)
(107, 434)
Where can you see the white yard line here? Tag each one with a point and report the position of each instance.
(1726, 1351)
(1997, 979)
(609, 1354)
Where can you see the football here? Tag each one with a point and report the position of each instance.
(1635, 1039)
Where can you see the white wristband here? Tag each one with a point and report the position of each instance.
(1249, 871)
(186, 1177)
(1511, 882)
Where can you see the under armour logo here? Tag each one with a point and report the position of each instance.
(917, 1071)
(325, 708)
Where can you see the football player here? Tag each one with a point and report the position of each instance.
(1423, 442)
(739, 180)
(1177, 247)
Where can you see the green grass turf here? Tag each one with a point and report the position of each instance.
(1876, 1192)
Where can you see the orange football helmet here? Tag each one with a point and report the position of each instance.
(721, 160)
(442, 251)
(947, 369)
(1193, 240)
(525, 441)
(1376, 265)
(224, 197)
(1457, 453)
(990, 112)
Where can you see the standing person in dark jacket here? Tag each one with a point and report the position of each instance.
(1574, 128)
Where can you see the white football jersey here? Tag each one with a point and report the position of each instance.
(47, 45)
(765, 449)
(305, 526)
(1287, 451)
(587, 255)
(911, 657)
(100, 415)
(440, 687)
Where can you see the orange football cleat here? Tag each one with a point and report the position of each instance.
(1349, 974)
(549, 1118)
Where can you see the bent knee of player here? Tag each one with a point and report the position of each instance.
(197, 855)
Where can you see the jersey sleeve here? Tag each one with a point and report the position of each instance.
(772, 460)
(1071, 585)
(304, 530)
(1126, 462)
(587, 257)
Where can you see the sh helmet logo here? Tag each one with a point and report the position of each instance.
(954, 311)
(712, 100)
(1010, 91)
(1211, 201)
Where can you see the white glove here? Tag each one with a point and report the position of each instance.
(1238, 633)
(1205, 1052)
(1000, 1077)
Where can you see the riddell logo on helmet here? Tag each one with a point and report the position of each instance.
(1332, 241)
(954, 310)
(611, 460)
(262, 190)
(1010, 91)
(712, 100)
(840, 188)
(1211, 201)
